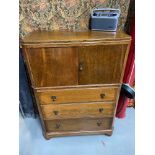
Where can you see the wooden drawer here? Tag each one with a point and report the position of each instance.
(77, 110)
(78, 95)
(79, 124)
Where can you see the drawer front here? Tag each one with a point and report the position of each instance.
(77, 110)
(78, 95)
(79, 124)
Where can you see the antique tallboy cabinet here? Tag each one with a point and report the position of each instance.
(76, 79)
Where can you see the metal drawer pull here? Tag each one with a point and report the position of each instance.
(102, 95)
(53, 98)
(99, 123)
(57, 126)
(55, 112)
(101, 110)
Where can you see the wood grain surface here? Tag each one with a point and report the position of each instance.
(72, 36)
(101, 64)
(78, 110)
(75, 95)
(76, 78)
(52, 134)
(79, 124)
(53, 66)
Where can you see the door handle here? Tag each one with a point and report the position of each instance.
(81, 66)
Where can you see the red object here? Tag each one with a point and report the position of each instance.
(129, 76)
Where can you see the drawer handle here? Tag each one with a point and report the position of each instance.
(102, 95)
(53, 98)
(57, 126)
(99, 123)
(101, 110)
(55, 112)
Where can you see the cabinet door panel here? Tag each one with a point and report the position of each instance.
(53, 66)
(101, 64)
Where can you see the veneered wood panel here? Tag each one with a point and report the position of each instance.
(101, 64)
(53, 66)
(76, 77)
(60, 37)
(79, 124)
(75, 95)
(52, 134)
(77, 110)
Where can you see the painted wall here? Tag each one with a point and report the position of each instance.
(63, 14)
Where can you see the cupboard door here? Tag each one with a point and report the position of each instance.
(53, 66)
(101, 64)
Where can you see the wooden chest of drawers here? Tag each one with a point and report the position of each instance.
(76, 79)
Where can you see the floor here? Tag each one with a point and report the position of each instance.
(122, 141)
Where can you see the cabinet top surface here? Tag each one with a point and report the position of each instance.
(69, 36)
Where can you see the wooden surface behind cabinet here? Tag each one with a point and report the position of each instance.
(76, 77)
